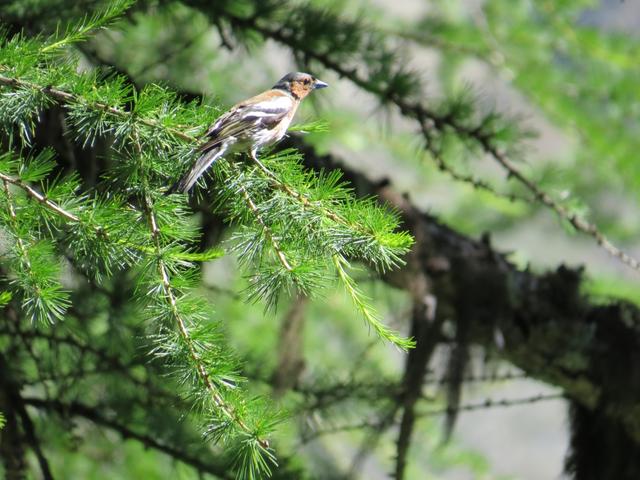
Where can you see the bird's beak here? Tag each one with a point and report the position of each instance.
(319, 84)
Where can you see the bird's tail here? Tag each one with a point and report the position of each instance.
(189, 179)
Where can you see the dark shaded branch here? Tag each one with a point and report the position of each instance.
(426, 324)
(12, 451)
(95, 415)
(324, 397)
(106, 363)
(374, 424)
(290, 355)
(14, 455)
(599, 449)
(551, 330)
(30, 435)
(489, 403)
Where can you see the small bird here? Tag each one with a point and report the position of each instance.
(252, 124)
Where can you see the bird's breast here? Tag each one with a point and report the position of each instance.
(269, 136)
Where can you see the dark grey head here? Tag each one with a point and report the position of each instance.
(299, 84)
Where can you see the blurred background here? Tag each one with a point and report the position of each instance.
(562, 73)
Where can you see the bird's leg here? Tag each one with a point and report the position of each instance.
(254, 157)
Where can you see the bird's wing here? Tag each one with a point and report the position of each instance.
(262, 111)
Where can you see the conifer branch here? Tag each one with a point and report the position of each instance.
(377, 422)
(339, 261)
(361, 304)
(579, 223)
(43, 296)
(369, 424)
(428, 119)
(265, 228)
(383, 261)
(14, 224)
(154, 118)
(279, 184)
(183, 329)
(33, 193)
(171, 297)
(32, 438)
(475, 182)
(111, 363)
(486, 378)
(324, 396)
(81, 30)
(14, 402)
(70, 98)
(57, 209)
(68, 340)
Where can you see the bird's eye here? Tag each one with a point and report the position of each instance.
(306, 81)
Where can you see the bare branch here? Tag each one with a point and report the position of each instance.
(489, 403)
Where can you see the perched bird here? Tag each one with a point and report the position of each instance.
(252, 124)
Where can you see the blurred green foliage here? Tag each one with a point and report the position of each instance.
(575, 79)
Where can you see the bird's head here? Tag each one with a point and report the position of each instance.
(299, 84)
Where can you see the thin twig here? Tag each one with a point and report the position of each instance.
(577, 222)
(489, 378)
(489, 403)
(38, 197)
(113, 363)
(370, 424)
(476, 183)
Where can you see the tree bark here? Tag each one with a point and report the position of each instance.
(551, 330)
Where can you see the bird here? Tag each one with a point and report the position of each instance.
(252, 124)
